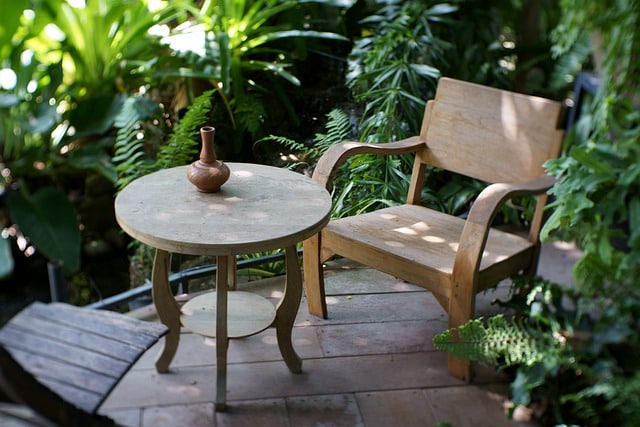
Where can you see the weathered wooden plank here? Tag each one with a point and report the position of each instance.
(499, 136)
(99, 322)
(73, 336)
(65, 360)
(14, 338)
(62, 371)
(45, 401)
(84, 399)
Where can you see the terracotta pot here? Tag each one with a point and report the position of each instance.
(208, 173)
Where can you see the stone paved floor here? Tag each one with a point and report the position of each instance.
(372, 363)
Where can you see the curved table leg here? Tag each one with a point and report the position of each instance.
(287, 310)
(222, 339)
(167, 308)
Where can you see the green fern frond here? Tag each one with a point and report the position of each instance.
(284, 142)
(627, 401)
(339, 128)
(184, 141)
(253, 113)
(621, 394)
(133, 157)
(130, 156)
(499, 341)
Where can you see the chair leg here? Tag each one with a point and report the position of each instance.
(532, 268)
(314, 277)
(460, 368)
(460, 312)
(529, 273)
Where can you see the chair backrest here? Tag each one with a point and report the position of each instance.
(490, 134)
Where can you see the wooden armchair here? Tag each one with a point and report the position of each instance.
(492, 135)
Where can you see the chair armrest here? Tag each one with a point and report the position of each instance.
(476, 229)
(336, 155)
(491, 199)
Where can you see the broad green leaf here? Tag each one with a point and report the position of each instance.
(95, 116)
(94, 157)
(278, 35)
(9, 23)
(6, 258)
(605, 250)
(441, 9)
(590, 161)
(8, 100)
(634, 216)
(631, 175)
(527, 378)
(225, 60)
(48, 219)
(335, 3)
(425, 70)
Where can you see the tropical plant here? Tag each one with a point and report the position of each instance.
(391, 73)
(589, 374)
(576, 364)
(247, 48)
(597, 198)
(135, 157)
(47, 217)
(44, 215)
(394, 70)
(101, 42)
(339, 127)
(59, 97)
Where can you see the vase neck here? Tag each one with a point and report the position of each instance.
(208, 152)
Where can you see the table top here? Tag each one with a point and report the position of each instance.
(259, 208)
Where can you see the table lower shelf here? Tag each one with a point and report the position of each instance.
(247, 314)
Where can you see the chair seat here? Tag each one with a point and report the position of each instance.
(419, 245)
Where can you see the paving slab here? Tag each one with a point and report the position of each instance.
(371, 363)
(379, 338)
(127, 417)
(196, 350)
(336, 410)
(407, 408)
(469, 406)
(339, 375)
(253, 413)
(367, 308)
(193, 415)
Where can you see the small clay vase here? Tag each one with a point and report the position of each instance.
(208, 174)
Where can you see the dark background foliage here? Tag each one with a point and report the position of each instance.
(114, 90)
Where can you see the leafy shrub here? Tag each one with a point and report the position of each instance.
(577, 363)
(590, 374)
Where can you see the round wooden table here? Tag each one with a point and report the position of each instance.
(259, 208)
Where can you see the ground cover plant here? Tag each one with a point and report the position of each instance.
(573, 349)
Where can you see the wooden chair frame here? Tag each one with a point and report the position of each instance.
(496, 136)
